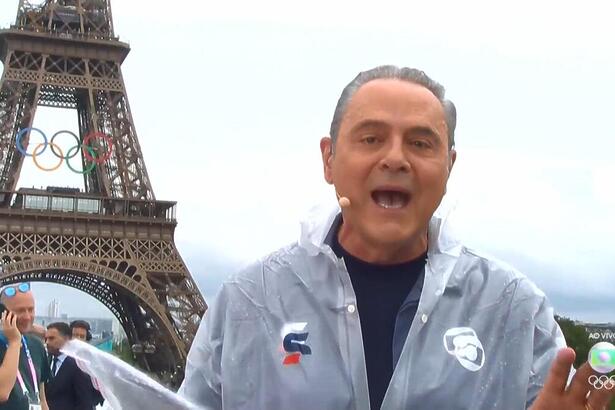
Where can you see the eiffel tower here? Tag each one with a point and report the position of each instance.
(113, 239)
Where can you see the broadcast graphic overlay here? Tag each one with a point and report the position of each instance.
(602, 360)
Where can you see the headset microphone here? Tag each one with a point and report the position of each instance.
(342, 200)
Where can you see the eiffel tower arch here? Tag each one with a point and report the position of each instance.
(113, 239)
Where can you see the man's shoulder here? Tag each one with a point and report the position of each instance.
(270, 264)
(71, 365)
(502, 272)
(252, 282)
(34, 342)
(70, 361)
(36, 347)
(491, 262)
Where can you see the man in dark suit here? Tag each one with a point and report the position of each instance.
(69, 388)
(81, 330)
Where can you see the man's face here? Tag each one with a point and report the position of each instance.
(391, 160)
(22, 305)
(54, 341)
(80, 333)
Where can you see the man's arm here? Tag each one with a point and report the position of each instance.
(44, 405)
(10, 362)
(203, 378)
(8, 370)
(548, 340)
(83, 389)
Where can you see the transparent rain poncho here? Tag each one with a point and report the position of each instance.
(284, 333)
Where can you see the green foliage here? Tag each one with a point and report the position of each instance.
(123, 351)
(577, 338)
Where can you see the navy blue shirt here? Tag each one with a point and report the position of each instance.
(381, 290)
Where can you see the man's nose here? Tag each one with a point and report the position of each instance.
(394, 158)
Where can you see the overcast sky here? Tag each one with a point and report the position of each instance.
(230, 100)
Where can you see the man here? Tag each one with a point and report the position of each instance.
(80, 330)
(377, 306)
(22, 385)
(69, 388)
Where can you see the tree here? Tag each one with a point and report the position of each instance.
(576, 337)
(124, 352)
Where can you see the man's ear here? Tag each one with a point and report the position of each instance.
(452, 157)
(326, 151)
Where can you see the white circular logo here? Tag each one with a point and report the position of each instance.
(463, 343)
(601, 357)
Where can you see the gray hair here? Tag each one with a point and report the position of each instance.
(411, 75)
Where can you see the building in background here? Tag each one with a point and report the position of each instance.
(53, 309)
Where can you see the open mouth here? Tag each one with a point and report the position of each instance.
(391, 199)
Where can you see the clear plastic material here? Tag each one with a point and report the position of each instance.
(483, 336)
(122, 386)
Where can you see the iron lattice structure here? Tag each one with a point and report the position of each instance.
(114, 241)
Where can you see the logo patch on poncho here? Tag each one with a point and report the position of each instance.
(463, 343)
(293, 342)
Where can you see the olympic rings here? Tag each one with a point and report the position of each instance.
(21, 133)
(107, 140)
(90, 153)
(88, 169)
(65, 132)
(603, 381)
(34, 154)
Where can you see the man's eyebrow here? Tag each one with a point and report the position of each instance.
(423, 130)
(418, 129)
(369, 123)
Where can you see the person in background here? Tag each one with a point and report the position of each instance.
(69, 388)
(25, 367)
(80, 330)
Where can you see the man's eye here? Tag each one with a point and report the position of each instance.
(370, 139)
(420, 144)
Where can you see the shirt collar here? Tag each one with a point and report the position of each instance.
(443, 247)
(61, 358)
(321, 223)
